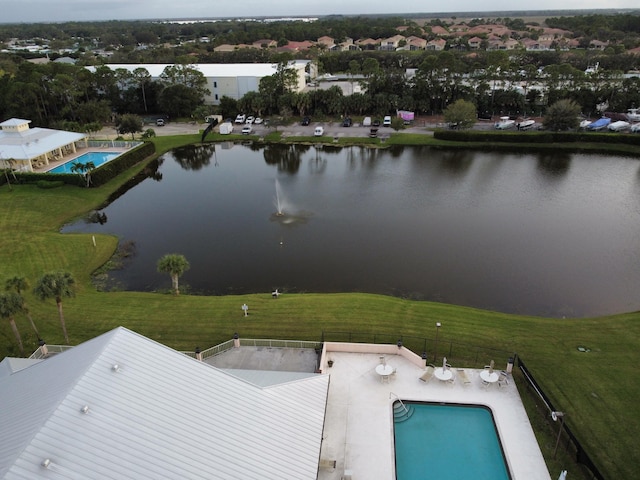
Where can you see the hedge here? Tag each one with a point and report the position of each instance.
(537, 137)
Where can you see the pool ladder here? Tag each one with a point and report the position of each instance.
(400, 411)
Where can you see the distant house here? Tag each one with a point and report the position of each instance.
(225, 47)
(391, 43)
(326, 41)
(598, 45)
(265, 43)
(439, 31)
(416, 43)
(438, 44)
(474, 43)
(367, 43)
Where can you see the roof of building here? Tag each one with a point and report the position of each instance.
(22, 143)
(128, 407)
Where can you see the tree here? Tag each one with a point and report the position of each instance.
(175, 265)
(129, 124)
(10, 304)
(461, 113)
(562, 115)
(84, 170)
(20, 284)
(56, 285)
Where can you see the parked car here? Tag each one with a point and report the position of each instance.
(387, 121)
(366, 122)
(318, 132)
(160, 122)
(247, 129)
(347, 122)
(375, 123)
(257, 121)
(249, 119)
(241, 118)
(373, 132)
(305, 121)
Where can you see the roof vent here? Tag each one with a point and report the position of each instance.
(85, 409)
(116, 367)
(46, 462)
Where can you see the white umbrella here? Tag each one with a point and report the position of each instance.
(563, 475)
(444, 363)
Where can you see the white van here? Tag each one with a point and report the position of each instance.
(366, 122)
(318, 132)
(387, 121)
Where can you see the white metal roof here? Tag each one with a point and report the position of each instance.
(32, 142)
(160, 414)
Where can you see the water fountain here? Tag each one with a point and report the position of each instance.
(285, 214)
(278, 203)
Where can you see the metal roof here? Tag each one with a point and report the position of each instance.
(32, 142)
(158, 414)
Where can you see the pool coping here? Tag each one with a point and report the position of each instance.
(358, 433)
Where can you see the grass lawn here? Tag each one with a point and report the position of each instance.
(596, 389)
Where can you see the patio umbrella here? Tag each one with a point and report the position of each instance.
(444, 363)
(563, 475)
(491, 366)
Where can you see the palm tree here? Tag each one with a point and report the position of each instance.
(56, 285)
(175, 265)
(10, 304)
(20, 284)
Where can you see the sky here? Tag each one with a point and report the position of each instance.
(29, 11)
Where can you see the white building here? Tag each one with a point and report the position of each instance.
(23, 148)
(231, 80)
(123, 406)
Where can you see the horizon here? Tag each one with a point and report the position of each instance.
(62, 11)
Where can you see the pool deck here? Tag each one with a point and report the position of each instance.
(79, 152)
(358, 432)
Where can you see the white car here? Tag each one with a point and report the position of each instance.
(387, 121)
(241, 118)
(249, 120)
(246, 130)
(257, 121)
(319, 131)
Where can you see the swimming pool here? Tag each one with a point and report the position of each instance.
(448, 442)
(98, 158)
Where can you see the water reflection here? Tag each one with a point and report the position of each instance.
(554, 164)
(195, 157)
(483, 229)
(286, 157)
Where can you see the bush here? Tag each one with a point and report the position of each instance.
(47, 184)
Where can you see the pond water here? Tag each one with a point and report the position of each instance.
(553, 235)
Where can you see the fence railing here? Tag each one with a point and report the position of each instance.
(112, 143)
(47, 350)
(459, 354)
(570, 440)
(253, 342)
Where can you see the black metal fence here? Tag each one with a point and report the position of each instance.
(572, 444)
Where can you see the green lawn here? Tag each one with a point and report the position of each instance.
(597, 389)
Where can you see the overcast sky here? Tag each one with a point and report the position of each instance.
(62, 10)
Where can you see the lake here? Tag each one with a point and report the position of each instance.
(542, 234)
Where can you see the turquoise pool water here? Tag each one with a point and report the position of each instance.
(448, 442)
(98, 158)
